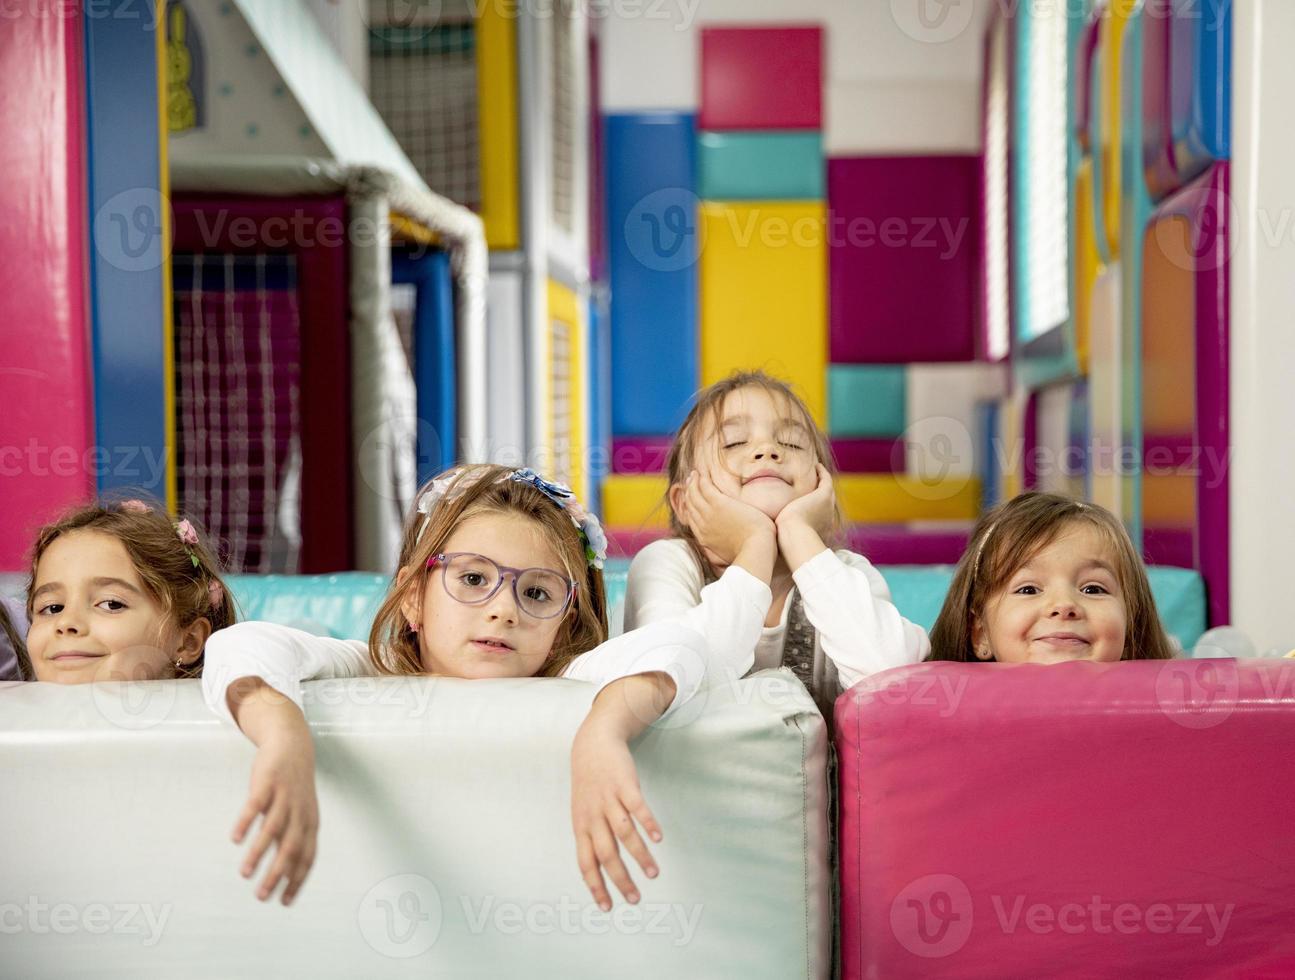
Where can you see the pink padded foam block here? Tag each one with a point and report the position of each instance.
(904, 258)
(47, 460)
(640, 454)
(869, 455)
(738, 69)
(1129, 819)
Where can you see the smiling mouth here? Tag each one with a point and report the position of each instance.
(763, 476)
(71, 657)
(1062, 640)
(496, 646)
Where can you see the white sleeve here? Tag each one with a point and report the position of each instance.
(665, 586)
(848, 602)
(670, 648)
(281, 656)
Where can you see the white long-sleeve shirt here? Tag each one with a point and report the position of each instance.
(844, 596)
(284, 657)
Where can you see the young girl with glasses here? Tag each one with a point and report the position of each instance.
(499, 576)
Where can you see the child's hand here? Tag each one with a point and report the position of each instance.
(729, 531)
(282, 791)
(806, 521)
(605, 794)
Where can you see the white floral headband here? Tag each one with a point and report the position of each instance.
(591, 531)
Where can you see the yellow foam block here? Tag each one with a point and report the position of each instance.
(885, 498)
(764, 294)
(635, 501)
(497, 123)
(1087, 261)
(565, 424)
(1111, 40)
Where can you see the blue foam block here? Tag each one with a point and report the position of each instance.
(1204, 134)
(653, 229)
(126, 260)
(434, 356)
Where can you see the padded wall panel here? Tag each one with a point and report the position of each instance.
(1086, 868)
(1201, 93)
(46, 427)
(761, 166)
(1185, 368)
(763, 303)
(323, 281)
(640, 454)
(653, 246)
(1160, 171)
(905, 258)
(868, 455)
(867, 400)
(130, 260)
(737, 64)
(505, 337)
(434, 356)
(435, 875)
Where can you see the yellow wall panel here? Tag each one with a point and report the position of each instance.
(497, 122)
(1087, 262)
(1112, 55)
(635, 501)
(764, 294)
(566, 426)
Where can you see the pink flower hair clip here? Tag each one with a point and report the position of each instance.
(189, 538)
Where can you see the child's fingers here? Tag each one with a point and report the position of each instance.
(609, 856)
(299, 874)
(271, 830)
(643, 814)
(292, 848)
(627, 834)
(256, 803)
(590, 872)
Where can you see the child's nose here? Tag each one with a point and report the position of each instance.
(1065, 608)
(503, 604)
(68, 623)
(767, 450)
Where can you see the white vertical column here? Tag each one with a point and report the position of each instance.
(1263, 311)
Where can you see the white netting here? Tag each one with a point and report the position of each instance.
(562, 108)
(238, 369)
(423, 81)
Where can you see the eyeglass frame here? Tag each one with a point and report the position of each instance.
(444, 558)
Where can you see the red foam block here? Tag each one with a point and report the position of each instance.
(761, 78)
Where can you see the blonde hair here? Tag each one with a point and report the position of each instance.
(706, 417)
(476, 490)
(185, 579)
(1007, 537)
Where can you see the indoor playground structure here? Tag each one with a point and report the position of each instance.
(276, 263)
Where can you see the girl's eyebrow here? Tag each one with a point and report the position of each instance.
(119, 582)
(1097, 563)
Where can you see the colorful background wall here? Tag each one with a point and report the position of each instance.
(297, 256)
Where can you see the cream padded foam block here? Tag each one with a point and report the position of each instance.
(445, 841)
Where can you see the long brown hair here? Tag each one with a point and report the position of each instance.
(10, 633)
(705, 418)
(184, 578)
(484, 489)
(1006, 538)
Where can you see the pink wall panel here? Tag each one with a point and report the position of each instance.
(904, 239)
(46, 421)
(761, 78)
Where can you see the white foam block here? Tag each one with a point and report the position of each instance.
(445, 843)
